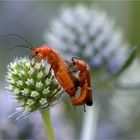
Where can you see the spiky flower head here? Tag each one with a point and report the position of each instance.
(32, 84)
(89, 34)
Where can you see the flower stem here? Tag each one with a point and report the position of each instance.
(48, 125)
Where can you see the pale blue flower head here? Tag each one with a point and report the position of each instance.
(89, 34)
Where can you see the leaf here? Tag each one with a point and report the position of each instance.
(129, 61)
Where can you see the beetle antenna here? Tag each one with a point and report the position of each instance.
(21, 46)
(19, 36)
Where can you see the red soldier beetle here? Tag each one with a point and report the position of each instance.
(59, 66)
(84, 81)
(61, 69)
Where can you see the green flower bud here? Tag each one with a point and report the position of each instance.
(31, 85)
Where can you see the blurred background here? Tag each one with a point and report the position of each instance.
(100, 32)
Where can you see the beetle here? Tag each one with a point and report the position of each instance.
(61, 69)
(84, 82)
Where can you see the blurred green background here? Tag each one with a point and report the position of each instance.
(117, 117)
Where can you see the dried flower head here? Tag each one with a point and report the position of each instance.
(33, 86)
(91, 35)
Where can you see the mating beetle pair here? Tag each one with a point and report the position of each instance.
(64, 74)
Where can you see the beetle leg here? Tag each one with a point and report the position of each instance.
(85, 108)
(47, 105)
(71, 65)
(36, 60)
(74, 71)
(56, 92)
(49, 73)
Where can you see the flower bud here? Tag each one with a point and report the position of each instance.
(30, 85)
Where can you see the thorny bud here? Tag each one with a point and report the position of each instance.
(32, 85)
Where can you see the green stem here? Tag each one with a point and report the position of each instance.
(48, 125)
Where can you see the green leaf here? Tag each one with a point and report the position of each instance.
(129, 61)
